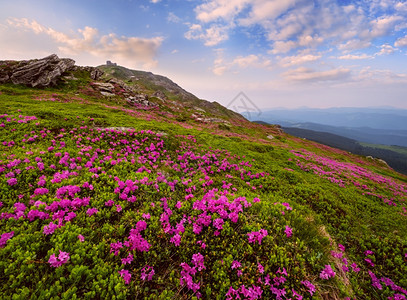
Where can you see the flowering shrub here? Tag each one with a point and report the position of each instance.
(144, 215)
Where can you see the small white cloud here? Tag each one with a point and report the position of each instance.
(266, 10)
(401, 42)
(212, 36)
(298, 59)
(354, 44)
(245, 61)
(219, 9)
(385, 49)
(174, 51)
(401, 6)
(155, 1)
(283, 46)
(355, 57)
(173, 18)
(308, 75)
(381, 26)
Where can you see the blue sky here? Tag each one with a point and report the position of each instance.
(291, 53)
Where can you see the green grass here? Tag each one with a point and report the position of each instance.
(398, 149)
(323, 216)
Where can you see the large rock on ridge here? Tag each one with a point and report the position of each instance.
(41, 72)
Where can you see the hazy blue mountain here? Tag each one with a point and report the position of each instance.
(376, 118)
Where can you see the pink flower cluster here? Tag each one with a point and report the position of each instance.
(5, 237)
(257, 236)
(188, 272)
(147, 272)
(62, 258)
(327, 272)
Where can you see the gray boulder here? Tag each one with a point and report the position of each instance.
(42, 72)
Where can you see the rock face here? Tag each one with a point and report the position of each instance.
(37, 73)
(41, 72)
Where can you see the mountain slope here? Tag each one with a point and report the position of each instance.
(102, 198)
(395, 156)
(153, 85)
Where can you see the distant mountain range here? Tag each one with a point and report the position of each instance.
(387, 126)
(361, 131)
(351, 117)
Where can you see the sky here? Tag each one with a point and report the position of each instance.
(291, 53)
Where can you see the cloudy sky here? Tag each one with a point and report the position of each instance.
(291, 53)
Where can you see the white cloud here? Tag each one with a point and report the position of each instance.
(373, 76)
(385, 49)
(383, 25)
(308, 75)
(212, 35)
(298, 59)
(355, 57)
(220, 9)
(245, 61)
(354, 44)
(221, 65)
(401, 42)
(173, 18)
(298, 24)
(401, 6)
(266, 10)
(125, 50)
(283, 46)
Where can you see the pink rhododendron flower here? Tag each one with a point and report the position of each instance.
(125, 275)
(176, 239)
(235, 265)
(128, 259)
(288, 231)
(62, 258)
(147, 273)
(50, 228)
(355, 267)
(81, 238)
(5, 237)
(260, 268)
(257, 236)
(327, 272)
(369, 262)
(109, 203)
(91, 211)
(310, 286)
(12, 181)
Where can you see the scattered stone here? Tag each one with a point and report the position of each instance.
(107, 94)
(119, 128)
(160, 95)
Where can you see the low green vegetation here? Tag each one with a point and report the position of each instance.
(102, 200)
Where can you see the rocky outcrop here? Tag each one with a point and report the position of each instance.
(35, 73)
(95, 73)
(42, 72)
(117, 87)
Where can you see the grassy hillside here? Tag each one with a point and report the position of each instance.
(394, 156)
(103, 200)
